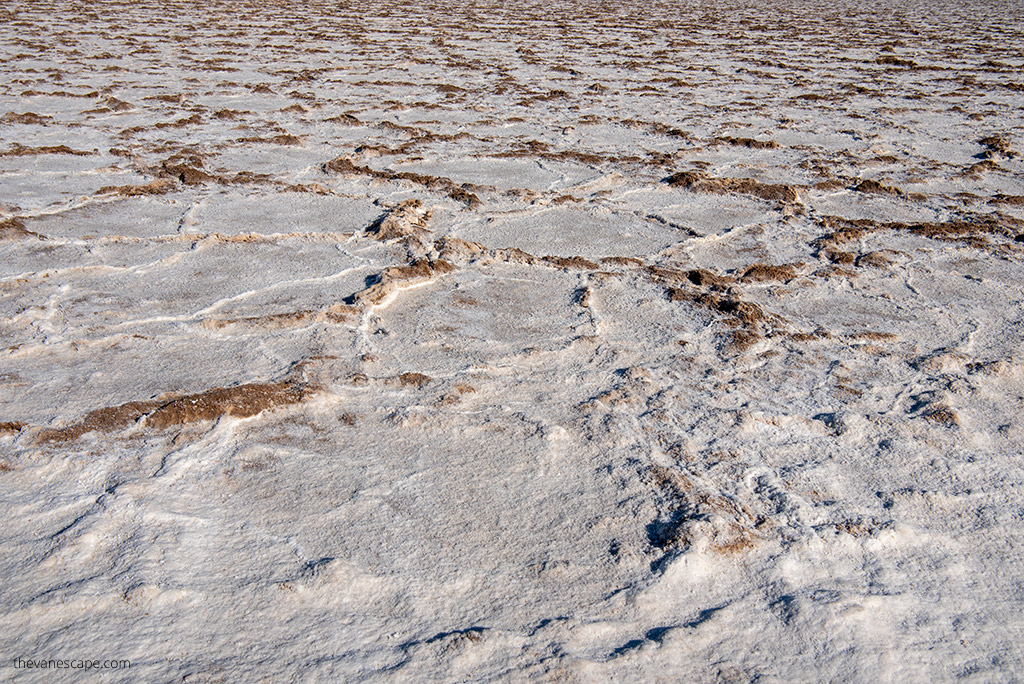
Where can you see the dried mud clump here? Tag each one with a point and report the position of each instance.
(101, 420)
(705, 278)
(1015, 200)
(976, 171)
(456, 250)
(874, 336)
(282, 139)
(996, 146)
(878, 259)
(535, 148)
(843, 232)
(514, 255)
(112, 104)
(742, 313)
(575, 263)
(943, 415)
(160, 186)
(875, 188)
(336, 313)
(408, 220)
(187, 170)
(24, 118)
(459, 193)
(14, 229)
(889, 60)
(760, 273)
(840, 257)
(701, 517)
(11, 427)
(698, 181)
(242, 401)
(819, 334)
(180, 123)
(697, 276)
(749, 143)
(394, 278)
(621, 261)
(971, 231)
(17, 150)
(345, 119)
(416, 380)
(719, 295)
(741, 340)
(833, 271)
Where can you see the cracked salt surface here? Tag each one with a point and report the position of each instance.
(556, 342)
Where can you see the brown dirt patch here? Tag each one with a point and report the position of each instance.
(14, 229)
(242, 401)
(160, 186)
(24, 118)
(705, 278)
(760, 273)
(188, 170)
(393, 277)
(997, 146)
(337, 313)
(622, 261)
(874, 336)
(282, 139)
(1015, 200)
(18, 150)
(744, 314)
(698, 181)
(878, 259)
(457, 250)
(942, 415)
(416, 380)
(749, 143)
(408, 219)
(577, 263)
(459, 193)
(876, 188)
(11, 427)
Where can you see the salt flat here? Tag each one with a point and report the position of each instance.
(564, 341)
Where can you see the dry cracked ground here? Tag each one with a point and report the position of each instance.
(565, 341)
